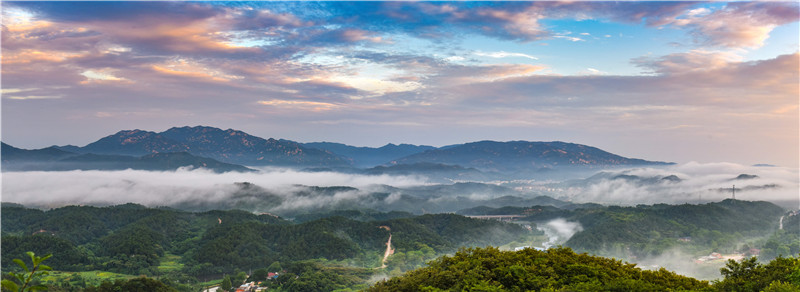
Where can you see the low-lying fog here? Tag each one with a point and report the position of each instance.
(687, 183)
(157, 188)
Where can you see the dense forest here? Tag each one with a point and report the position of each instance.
(561, 269)
(649, 230)
(345, 249)
(134, 240)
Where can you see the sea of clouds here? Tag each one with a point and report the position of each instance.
(698, 183)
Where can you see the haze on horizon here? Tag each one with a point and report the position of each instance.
(669, 81)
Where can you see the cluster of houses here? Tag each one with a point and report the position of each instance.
(250, 287)
(256, 286)
(715, 256)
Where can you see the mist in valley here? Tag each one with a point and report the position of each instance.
(274, 189)
(185, 186)
(558, 231)
(691, 183)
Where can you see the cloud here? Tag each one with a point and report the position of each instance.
(740, 24)
(699, 182)
(101, 76)
(126, 11)
(260, 19)
(185, 69)
(593, 71)
(569, 38)
(686, 79)
(558, 231)
(692, 61)
(302, 105)
(455, 59)
(24, 97)
(514, 21)
(503, 54)
(187, 187)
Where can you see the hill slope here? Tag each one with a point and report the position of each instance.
(367, 156)
(54, 159)
(558, 269)
(522, 155)
(14, 154)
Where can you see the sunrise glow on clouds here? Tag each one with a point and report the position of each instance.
(674, 81)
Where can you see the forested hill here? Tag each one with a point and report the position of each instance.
(326, 252)
(648, 230)
(133, 239)
(561, 269)
(557, 269)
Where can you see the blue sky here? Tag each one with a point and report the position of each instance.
(673, 81)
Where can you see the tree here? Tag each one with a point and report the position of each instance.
(26, 281)
(238, 279)
(141, 284)
(749, 275)
(226, 283)
(259, 275)
(557, 269)
(778, 286)
(274, 267)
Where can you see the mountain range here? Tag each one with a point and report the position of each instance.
(229, 146)
(521, 155)
(55, 159)
(230, 149)
(367, 156)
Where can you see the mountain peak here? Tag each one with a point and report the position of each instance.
(230, 146)
(133, 142)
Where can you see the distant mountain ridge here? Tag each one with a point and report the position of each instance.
(237, 147)
(522, 155)
(229, 146)
(11, 154)
(367, 156)
(54, 159)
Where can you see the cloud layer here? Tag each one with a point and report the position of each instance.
(190, 188)
(691, 183)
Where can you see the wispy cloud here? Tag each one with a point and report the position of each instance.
(503, 54)
(569, 38)
(24, 97)
(303, 105)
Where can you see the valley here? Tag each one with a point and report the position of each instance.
(295, 222)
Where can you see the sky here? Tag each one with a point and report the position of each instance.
(667, 81)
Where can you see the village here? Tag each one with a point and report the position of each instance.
(252, 286)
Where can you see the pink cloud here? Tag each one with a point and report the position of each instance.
(740, 25)
(692, 61)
